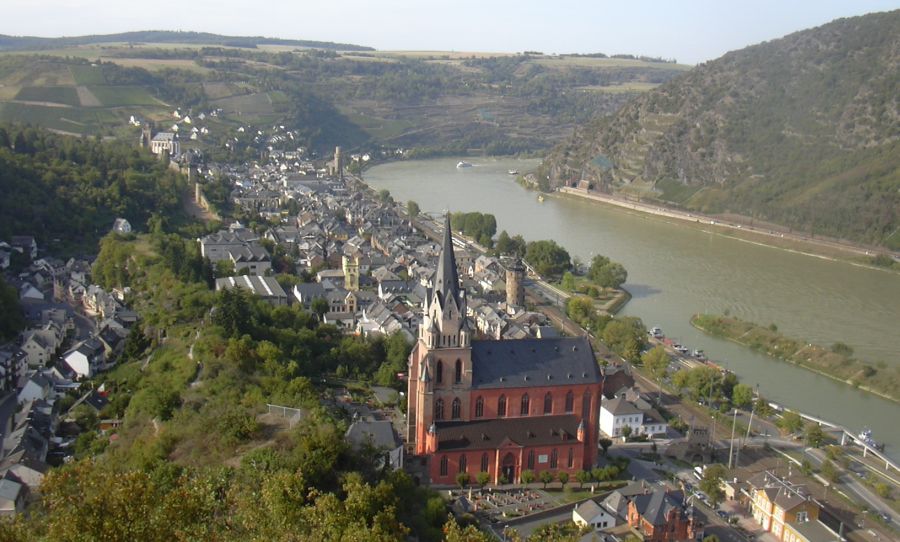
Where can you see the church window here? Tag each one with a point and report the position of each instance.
(479, 407)
(439, 372)
(462, 464)
(444, 466)
(525, 405)
(531, 459)
(439, 409)
(484, 462)
(586, 405)
(554, 458)
(570, 401)
(458, 378)
(571, 461)
(548, 403)
(454, 412)
(501, 406)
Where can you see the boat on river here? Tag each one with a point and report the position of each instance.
(513, 172)
(463, 164)
(541, 198)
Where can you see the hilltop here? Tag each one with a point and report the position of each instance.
(12, 43)
(803, 131)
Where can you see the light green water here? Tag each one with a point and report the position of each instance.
(675, 271)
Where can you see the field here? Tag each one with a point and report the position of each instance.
(123, 95)
(58, 95)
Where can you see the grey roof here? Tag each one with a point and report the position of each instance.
(589, 509)
(815, 531)
(10, 490)
(446, 278)
(381, 434)
(655, 506)
(524, 431)
(261, 286)
(620, 407)
(533, 362)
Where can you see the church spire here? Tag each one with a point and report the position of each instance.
(446, 278)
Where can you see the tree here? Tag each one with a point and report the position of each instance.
(829, 471)
(742, 396)
(656, 360)
(814, 435)
(563, 477)
(453, 532)
(580, 309)
(412, 208)
(790, 422)
(711, 538)
(11, 319)
(462, 479)
(547, 257)
(546, 477)
(582, 477)
(320, 306)
(527, 477)
(605, 273)
(513, 246)
(482, 478)
(711, 483)
(605, 443)
(384, 195)
(568, 281)
(626, 432)
(625, 337)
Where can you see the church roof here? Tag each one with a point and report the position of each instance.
(525, 431)
(533, 362)
(446, 278)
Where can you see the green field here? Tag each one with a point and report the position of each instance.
(67, 119)
(118, 96)
(87, 75)
(60, 95)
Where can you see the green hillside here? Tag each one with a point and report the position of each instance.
(802, 131)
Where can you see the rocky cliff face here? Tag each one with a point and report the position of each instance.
(802, 131)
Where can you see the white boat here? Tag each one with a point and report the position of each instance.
(513, 172)
(698, 354)
(656, 332)
(541, 198)
(462, 163)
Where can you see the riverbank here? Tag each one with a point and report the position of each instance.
(836, 362)
(829, 249)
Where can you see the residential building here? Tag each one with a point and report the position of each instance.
(265, 287)
(663, 516)
(786, 510)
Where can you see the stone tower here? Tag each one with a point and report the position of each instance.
(351, 272)
(338, 164)
(515, 287)
(440, 365)
(146, 135)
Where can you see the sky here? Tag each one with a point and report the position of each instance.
(691, 31)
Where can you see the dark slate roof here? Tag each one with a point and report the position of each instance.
(525, 431)
(533, 362)
(380, 432)
(446, 278)
(655, 506)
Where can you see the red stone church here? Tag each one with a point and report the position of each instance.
(499, 407)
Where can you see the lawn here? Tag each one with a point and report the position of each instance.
(68, 119)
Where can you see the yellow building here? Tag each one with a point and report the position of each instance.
(786, 510)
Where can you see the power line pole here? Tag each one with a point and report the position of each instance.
(731, 448)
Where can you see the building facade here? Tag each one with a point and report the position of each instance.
(499, 407)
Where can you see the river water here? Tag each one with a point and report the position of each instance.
(675, 270)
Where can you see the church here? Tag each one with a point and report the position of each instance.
(500, 407)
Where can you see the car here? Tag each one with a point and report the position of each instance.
(722, 514)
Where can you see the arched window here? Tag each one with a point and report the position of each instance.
(571, 461)
(525, 404)
(484, 462)
(479, 407)
(458, 375)
(454, 410)
(570, 401)
(444, 466)
(554, 458)
(439, 372)
(530, 459)
(586, 406)
(462, 463)
(501, 406)
(548, 403)
(439, 409)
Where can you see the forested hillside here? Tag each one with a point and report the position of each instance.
(803, 131)
(67, 192)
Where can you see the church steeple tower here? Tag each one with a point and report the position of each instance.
(444, 322)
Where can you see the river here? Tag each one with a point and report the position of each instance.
(676, 270)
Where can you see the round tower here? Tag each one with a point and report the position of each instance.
(515, 287)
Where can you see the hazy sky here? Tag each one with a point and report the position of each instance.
(689, 30)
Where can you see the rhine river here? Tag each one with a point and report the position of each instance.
(675, 270)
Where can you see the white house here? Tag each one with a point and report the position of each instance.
(619, 412)
(37, 387)
(591, 513)
(121, 225)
